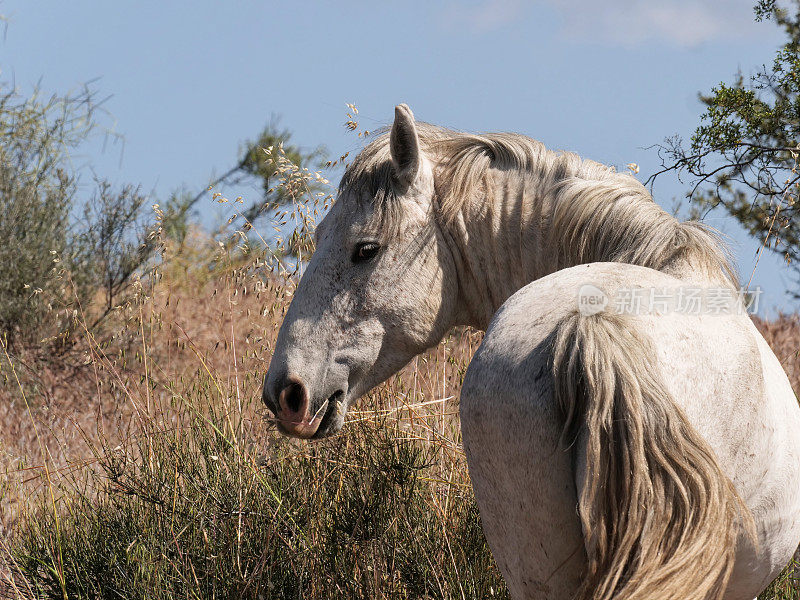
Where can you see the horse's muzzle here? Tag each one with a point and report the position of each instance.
(289, 400)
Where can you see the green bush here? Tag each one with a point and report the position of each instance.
(191, 513)
(37, 193)
(52, 262)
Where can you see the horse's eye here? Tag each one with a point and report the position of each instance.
(365, 251)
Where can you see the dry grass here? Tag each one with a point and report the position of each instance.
(783, 336)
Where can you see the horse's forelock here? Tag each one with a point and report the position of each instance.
(369, 180)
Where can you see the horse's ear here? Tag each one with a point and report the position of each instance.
(404, 145)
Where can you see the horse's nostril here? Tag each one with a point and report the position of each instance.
(293, 396)
(293, 399)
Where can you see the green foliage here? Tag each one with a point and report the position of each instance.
(787, 585)
(114, 241)
(61, 251)
(743, 157)
(64, 255)
(257, 164)
(42, 246)
(175, 218)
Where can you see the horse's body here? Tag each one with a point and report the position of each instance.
(718, 369)
(613, 455)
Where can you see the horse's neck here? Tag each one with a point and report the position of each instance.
(498, 246)
(516, 232)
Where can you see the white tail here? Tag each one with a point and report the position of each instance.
(660, 518)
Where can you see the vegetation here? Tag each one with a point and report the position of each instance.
(192, 513)
(743, 157)
(262, 162)
(51, 263)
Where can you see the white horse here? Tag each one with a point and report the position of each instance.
(630, 452)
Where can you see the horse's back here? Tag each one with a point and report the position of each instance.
(717, 368)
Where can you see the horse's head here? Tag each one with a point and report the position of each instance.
(379, 289)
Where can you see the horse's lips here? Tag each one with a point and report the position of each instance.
(308, 428)
(314, 426)
(333, 405)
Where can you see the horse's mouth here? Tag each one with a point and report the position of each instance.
(326, 423)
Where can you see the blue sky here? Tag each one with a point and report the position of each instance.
(190, 80)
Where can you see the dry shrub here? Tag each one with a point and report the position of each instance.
(783, 335)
